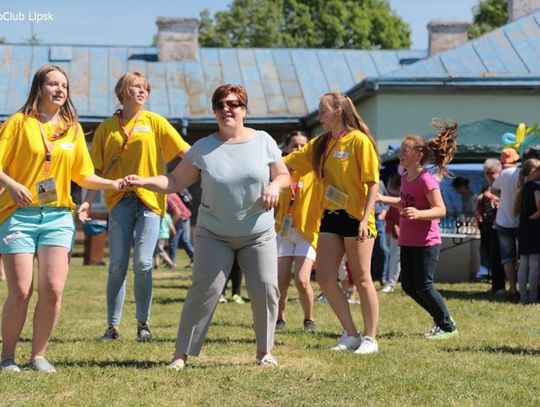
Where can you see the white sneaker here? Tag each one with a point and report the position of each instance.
(368, 345)
(387, 289)
(177, 364)
(347, 342)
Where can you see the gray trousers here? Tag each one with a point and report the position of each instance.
(214, 255)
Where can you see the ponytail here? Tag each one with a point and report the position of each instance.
(444, 145)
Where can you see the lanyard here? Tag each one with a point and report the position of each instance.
(327, 150)
(124, 130)
(49, 146)
(126, 133)
(294, 190)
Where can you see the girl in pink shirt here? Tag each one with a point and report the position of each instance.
(421, 206)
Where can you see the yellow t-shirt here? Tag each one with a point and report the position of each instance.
(22, 157)
(306, 213)
(153, 143)
(351, 162)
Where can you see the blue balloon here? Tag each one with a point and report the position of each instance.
(526, 143)
(508, 138)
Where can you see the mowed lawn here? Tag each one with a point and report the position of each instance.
(495, 361)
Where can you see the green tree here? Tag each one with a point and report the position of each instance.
(488, 15)
(367, 24)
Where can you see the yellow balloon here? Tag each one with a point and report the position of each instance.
(520, 134)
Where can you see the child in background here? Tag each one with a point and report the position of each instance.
(391, 275)
(165, 232)
(527, 206)
(422, 206)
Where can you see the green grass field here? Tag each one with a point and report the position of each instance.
(495, 361)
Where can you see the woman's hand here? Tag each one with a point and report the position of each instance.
(119, 184)
(363, 231)
(270, 196)
(411, 213)
(83, 212)
(19, 193)
(134, 180)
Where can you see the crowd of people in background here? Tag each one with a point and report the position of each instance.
(317, 206)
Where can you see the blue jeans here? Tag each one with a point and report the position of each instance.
(381, 253)
(183, 230)
(130, 221)
(418, 266)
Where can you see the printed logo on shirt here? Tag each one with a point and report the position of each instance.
(142, 129)
(66, 146)
(407, 200)
(341, 154)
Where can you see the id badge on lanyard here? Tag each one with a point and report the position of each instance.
(335, 196)
(46, 189)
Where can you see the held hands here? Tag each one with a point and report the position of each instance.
(270, 197)
(19, 193)
(134, 180)
(119, 184)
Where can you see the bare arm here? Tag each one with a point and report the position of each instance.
(373, 190)
(389, 200)
(184, 175)
(18, 192)
(437, 210)
(280, 178)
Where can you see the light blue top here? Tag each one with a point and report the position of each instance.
(233, 177)
(165, 228)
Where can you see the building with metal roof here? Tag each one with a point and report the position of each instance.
(495, 76)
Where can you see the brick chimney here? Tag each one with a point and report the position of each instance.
(521, 8)
(178, 39)
(446, 34)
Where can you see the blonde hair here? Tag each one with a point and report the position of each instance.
(30, 107)
(125, 81)
(439, 150)
(528, 167)
(351, 119)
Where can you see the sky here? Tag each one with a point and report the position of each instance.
(121, 22)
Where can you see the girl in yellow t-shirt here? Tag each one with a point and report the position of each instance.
(132, 141)
(42, 150)
(297, 226)
(346, 162)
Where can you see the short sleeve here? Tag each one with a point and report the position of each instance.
(273, 151)
(8, 130)
(430, 182)
(97, 146)
(301, 160)
(368, 160)
(171, 142)
(194, 154)
(82, 163)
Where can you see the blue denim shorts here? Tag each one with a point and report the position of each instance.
(507, 243)
(28, 228)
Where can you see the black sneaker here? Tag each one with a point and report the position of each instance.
(309, 325)
(111, 334)
(280, 324)
(143, 333)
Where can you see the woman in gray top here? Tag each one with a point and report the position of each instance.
(241, 174)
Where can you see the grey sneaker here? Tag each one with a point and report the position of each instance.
(111, 334)
(42, 365)
(9, 365)
(309, 325)
(143, 333)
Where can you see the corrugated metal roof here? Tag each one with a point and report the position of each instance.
(281, 83)
(511, 52)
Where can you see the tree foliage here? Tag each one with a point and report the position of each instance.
(488, 15)
(366, 24)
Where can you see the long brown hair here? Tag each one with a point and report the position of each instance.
(351, 119)
(526, 170)
(30, 107)
(439, 150)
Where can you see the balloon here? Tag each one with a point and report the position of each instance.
(508, 139)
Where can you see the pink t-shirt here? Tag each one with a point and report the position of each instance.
(418, 233)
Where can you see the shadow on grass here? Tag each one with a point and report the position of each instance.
(129, 364)
(512, 350)
(470, 295)
(168, 300)
(173, 286)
